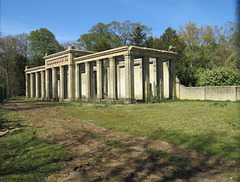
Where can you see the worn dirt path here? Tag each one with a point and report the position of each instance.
(97, 153)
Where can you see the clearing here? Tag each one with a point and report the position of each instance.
(170, 141)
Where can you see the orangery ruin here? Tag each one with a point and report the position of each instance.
(128, 74)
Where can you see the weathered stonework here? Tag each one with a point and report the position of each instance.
(124, 73)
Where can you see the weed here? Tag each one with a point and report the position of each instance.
(219, 104)
(154, 94)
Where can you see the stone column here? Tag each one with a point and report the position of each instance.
(88, 80)
(112, 79)
(42, 85)
(71, 76)
(27, 85)
(159, 73)
(146, 79)
(32, 85)
(105, 81)
(129, 79)
(54, 84)
(47, 84)
(37, 85)
(62, 72)
(99, 80)
(166, 78)
(77, 84)
(172, 78)
(92, 84)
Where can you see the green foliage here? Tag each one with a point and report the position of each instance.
(115, 34)
(219, 104)
(42, 41)
(218, 76)
(171, 38)
(138, 37)
(206, 47)
(154, 94)
(98, 39)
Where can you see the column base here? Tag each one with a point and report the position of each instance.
(47, 98)
(98, 99)
(54, 99)
(71, 99)
(111, 99)
(129, 101)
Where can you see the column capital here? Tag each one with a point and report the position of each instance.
(111, 58)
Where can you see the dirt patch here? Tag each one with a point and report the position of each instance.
(97, 153)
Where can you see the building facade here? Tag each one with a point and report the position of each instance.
(124, 73)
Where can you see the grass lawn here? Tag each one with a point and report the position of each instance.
(207, 126)
(24, 156)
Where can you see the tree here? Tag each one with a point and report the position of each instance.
(171, 38)
(12, 62)
(127, 31)
(138, 36)
(65, 44)
(18, 75)
(8, 51)
(42, 41)
(99, 38)
(115, 34)
(209, 47)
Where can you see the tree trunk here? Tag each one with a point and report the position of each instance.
(8, 84)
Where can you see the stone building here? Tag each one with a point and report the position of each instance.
(124, 73)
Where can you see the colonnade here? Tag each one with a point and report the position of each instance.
(104, 76)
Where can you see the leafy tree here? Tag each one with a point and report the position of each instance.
(42, 41)
(99, 38)
(138, 36)
(208, 47)
(168, 38)
(149, 42)
(115, 34)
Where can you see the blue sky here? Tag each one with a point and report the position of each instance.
(68, 19)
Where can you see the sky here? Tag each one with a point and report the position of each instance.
(68, 19)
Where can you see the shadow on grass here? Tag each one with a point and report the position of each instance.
(25, 157)
(150, 164)
(203, 143)
(30, 104)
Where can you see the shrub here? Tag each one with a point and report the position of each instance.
(218, 76)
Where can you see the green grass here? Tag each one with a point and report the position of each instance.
(208, 126)
(24, 156)
(117, 144)
(155, 154)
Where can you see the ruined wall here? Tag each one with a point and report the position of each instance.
(220, 93)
